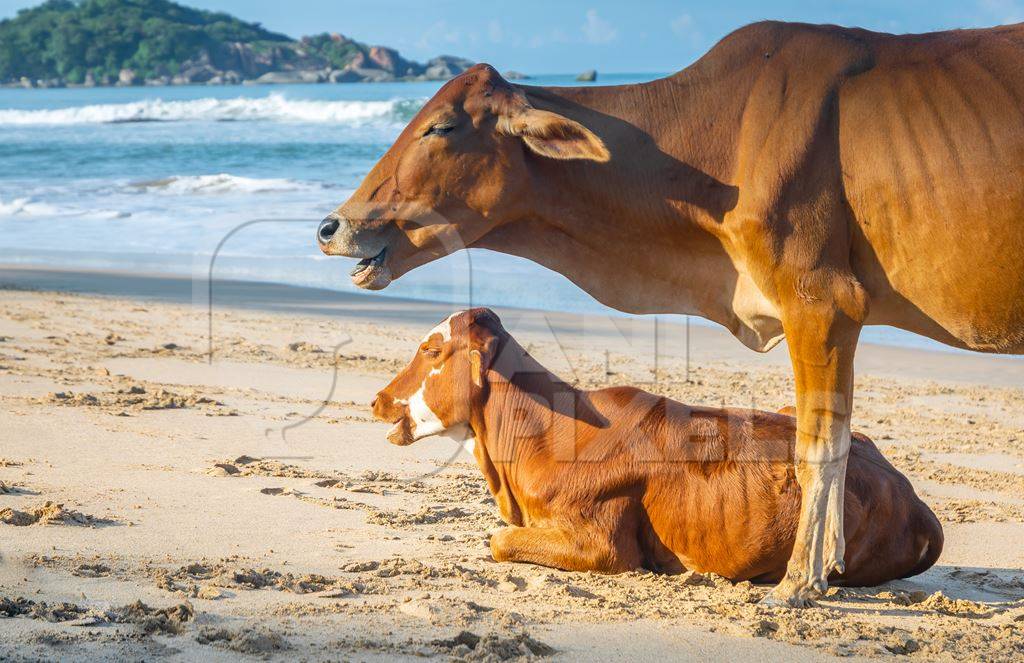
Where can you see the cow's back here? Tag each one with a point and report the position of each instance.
(932, 152)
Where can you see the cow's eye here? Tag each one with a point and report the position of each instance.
(439, 129)
(433, 353)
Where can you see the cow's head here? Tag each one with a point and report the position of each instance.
(439, 389)
(455, 173)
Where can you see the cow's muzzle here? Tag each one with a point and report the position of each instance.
(338, 236)
(386, 409)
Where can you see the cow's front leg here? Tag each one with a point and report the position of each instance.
(822, 345)
(576, 549)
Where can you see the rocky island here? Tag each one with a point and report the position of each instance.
(158, 42)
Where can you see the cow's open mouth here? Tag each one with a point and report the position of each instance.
(368, 263)
(372, 273)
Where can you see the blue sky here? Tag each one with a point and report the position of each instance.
(538, 36)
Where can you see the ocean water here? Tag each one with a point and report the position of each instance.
(160, 179)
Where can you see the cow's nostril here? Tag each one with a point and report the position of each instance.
(327, 228)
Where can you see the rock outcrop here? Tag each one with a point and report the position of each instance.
(241, 63)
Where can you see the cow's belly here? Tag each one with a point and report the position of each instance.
(740, 527)
(935, 183)
(956, 282)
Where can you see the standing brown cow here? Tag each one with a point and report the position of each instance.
(797, 181)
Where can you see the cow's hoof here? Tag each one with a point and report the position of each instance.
(772, 601)
(789, 594)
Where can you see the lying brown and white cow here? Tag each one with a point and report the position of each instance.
(619, 479)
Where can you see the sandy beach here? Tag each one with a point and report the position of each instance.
(237, 486)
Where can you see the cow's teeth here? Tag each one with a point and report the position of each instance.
(375, 261)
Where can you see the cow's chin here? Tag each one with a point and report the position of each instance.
(373, 273)
(401, 433)
(373, 278)
(392, 262)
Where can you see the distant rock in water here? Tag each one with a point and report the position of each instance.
(289, 77)
(445, 66)
(513, 75)
(589, 76)
(158, 42)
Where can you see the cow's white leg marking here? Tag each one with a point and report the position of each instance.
(828, 492)
(820, 545)
(835, 537)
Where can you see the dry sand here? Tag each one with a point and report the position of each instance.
(155, 503)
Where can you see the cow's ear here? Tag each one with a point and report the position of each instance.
(554, 136)
(480, 360)
(476, 367)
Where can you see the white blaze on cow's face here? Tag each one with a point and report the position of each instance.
(431, 396)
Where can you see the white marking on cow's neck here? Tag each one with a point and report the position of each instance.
(444, 329)
(424, 420)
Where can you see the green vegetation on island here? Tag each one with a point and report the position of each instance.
(158, 42)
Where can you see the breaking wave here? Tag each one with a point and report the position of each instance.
(26, 207)
(272, 108)
(219, 184)
(30, 207)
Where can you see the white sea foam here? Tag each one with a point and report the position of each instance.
(221, 183)
(29, 206)
(26, 207)
(272, 108)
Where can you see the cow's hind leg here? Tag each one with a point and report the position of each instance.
(822, 345)
(563, 548)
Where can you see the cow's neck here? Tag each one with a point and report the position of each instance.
(667, 135)
(642, 233)
(514, 428)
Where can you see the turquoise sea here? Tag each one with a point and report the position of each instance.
(155, 179)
